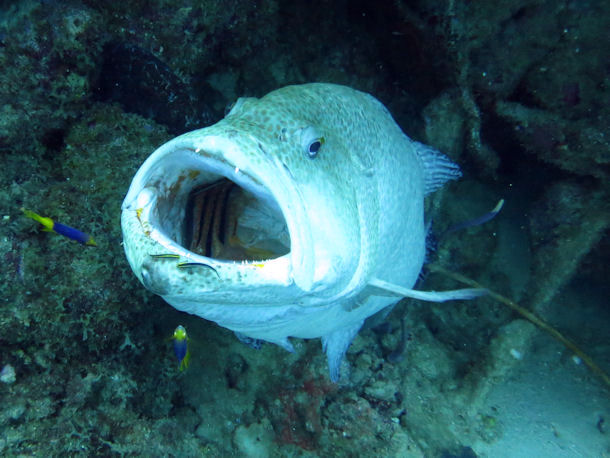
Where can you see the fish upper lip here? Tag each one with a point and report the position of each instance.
(216, 154)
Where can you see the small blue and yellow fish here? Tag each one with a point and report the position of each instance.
(181, 347)
(66, 231)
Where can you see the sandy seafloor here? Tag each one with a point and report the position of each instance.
(516, 92)
(549, 405)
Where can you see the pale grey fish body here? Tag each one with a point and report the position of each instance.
(351, 215)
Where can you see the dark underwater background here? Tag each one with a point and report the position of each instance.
(515, 91)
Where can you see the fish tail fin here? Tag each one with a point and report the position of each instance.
(46, 222)
(476, 221)
(184, 364)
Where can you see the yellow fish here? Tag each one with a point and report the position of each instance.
(181, 347)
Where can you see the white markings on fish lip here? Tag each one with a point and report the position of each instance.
(221, 160)
(145, 198)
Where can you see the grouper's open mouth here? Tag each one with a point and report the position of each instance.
(203, 199)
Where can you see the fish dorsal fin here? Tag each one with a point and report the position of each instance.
(438, 168)
(377, 287)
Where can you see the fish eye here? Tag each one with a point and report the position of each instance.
(314, 147)
(312, 141)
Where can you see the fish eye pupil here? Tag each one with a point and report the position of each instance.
(314, 147)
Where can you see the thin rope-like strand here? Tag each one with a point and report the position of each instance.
(530, 316)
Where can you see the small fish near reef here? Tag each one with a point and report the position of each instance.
(300, 214)
(67, 231)
(181, 347)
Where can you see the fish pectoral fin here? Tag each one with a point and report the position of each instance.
(335, 345)
(379, 287)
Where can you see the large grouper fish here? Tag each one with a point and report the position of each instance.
(300, 214)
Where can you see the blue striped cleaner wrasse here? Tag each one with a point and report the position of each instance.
(67, 231)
